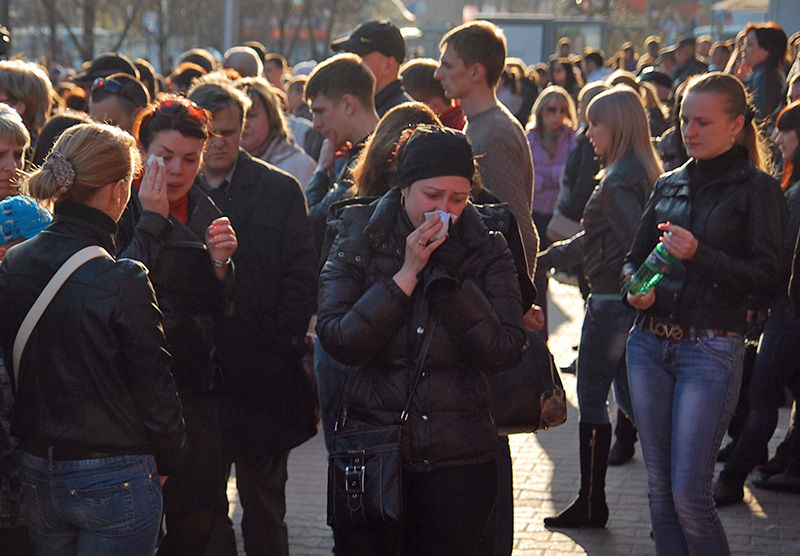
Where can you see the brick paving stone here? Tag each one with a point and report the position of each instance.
(546, 477)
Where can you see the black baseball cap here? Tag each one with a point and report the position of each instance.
(374, 36)
(105, 65)
(655, 76)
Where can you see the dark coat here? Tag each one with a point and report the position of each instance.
(766, 84)
(738, 217)
(390, 96)
(578, 178)
(189, 294)
(95, 372)
(690, 67)
(268, 405)
(365, 320)
(323, 191)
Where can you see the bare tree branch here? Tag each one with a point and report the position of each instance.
(137, 7)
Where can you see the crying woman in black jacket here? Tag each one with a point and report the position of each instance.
(392, 278)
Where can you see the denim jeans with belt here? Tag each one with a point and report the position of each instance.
(601, 357)
(105, 506)
(684, 393)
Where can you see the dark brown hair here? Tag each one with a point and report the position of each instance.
(789, 120)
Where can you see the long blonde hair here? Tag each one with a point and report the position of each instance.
(547, 95)
(621, 111)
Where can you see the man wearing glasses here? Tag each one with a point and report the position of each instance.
(267, 407)
(117, 99)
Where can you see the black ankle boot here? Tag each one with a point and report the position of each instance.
(589, 509)
(625, 438)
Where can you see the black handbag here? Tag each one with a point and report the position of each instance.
(365, 467)
(530, 396)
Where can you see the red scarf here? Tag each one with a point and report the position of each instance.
(179, 209)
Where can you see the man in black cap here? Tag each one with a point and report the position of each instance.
(117, 100)
(103, 66)
(686, 62)
(658, 79)
(383, 49)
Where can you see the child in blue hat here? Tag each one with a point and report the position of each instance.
(21, 218)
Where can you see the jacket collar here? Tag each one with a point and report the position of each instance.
(389, 91)
(739, 170)
(97, 223)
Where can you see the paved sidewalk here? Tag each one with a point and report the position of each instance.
(546, 475)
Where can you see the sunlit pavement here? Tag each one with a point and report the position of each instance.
(546, 476)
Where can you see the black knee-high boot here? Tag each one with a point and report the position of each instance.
(589, 509)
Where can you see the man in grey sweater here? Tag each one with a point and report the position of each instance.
(473, 57)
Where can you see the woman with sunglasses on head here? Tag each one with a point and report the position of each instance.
(722, 220)
(551, 136)
(619, 131)
(181, 236)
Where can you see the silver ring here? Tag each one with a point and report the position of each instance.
(421, 243)
(157, 188)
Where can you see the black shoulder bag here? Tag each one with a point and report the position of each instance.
(365, 467)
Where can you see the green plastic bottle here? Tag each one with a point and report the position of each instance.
(652, 270)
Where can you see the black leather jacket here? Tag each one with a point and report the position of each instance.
(95, 372)
(610, 221)
(766, 84)
(737, 213)
(189, 293)
(366, 320)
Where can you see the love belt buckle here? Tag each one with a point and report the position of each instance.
(668, 331)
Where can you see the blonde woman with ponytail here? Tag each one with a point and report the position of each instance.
(96, 412)
(722, 218)
(619, 132)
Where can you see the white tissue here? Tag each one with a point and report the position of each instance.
(446, 217)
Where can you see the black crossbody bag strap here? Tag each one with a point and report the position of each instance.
(423, 354)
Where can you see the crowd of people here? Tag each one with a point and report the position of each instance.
(343, 244)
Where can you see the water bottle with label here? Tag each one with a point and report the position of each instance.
(652, 270)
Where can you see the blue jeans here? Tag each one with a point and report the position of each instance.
(92, 507)
(683, 394)
(601, 358)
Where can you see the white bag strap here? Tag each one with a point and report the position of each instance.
(48, 293)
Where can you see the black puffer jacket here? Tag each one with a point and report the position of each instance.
(365, 320)
(95, 372)
(189, 293)
(737, 213)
